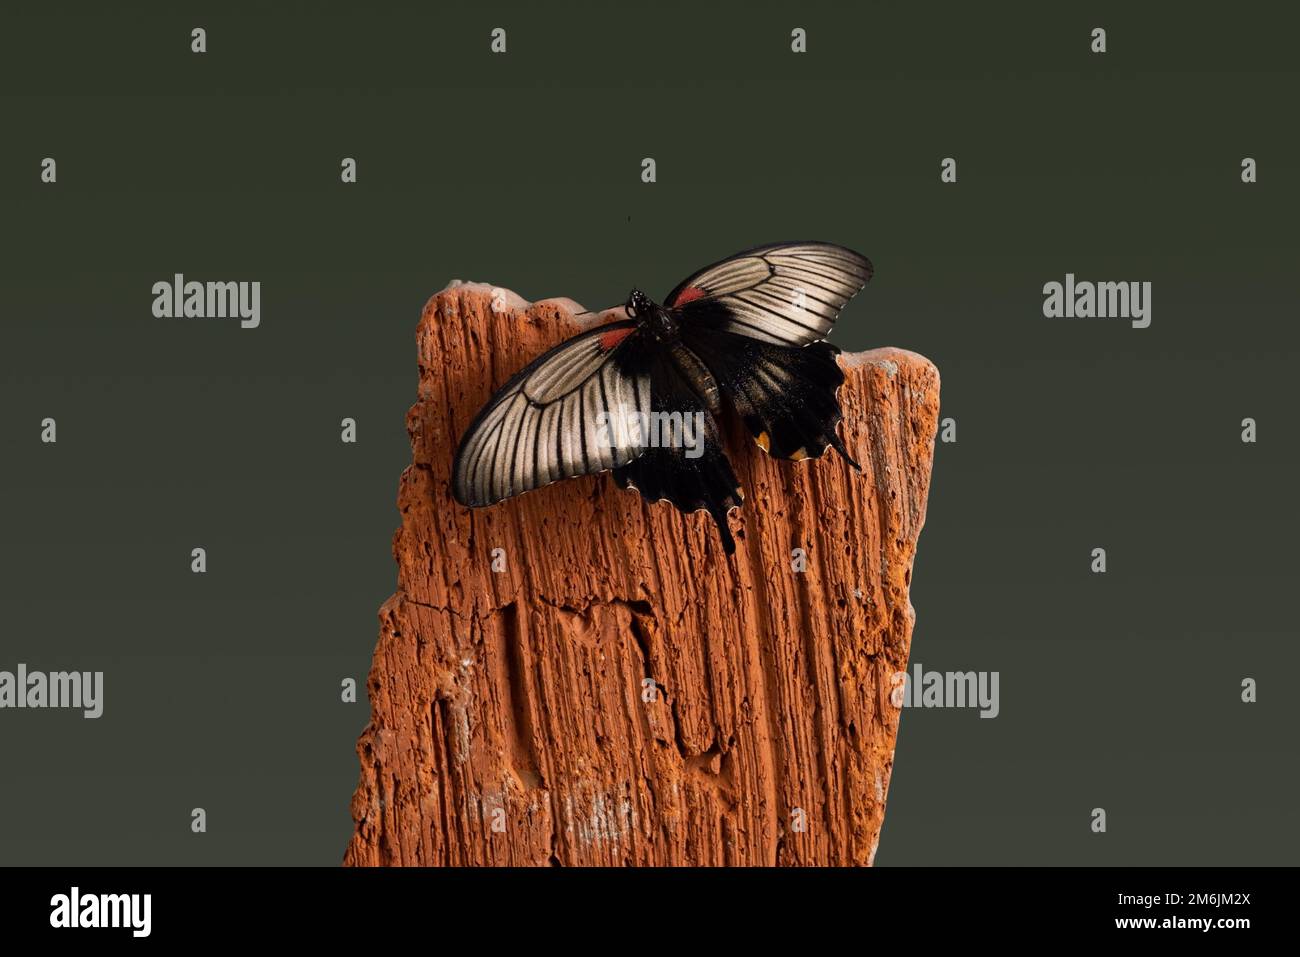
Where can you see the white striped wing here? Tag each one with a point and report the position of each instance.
(788, 293)
(546, 423)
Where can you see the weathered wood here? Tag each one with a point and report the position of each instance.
(514, 700)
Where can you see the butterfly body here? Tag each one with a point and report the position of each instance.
(642, 396)
(660, 323)
(663, 327)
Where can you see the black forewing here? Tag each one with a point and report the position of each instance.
(545, 425)
(784, 293)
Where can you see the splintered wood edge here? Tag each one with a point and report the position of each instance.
(886, 358)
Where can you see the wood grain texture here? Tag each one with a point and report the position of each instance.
(508, 725)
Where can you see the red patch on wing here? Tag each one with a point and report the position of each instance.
(689, 294)
(612, 338)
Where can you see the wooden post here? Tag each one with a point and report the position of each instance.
(619, 691)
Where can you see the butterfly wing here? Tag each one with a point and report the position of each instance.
(787, 293)
(755, 319)
(784, 394)
(545, 424)
(692, 471)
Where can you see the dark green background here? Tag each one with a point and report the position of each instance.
(222, 690)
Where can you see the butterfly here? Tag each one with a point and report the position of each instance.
(642, 395)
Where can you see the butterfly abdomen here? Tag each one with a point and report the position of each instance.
(698, 375)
